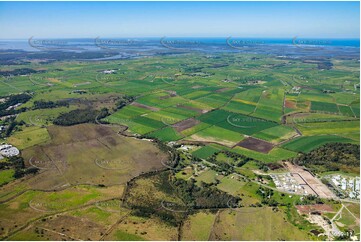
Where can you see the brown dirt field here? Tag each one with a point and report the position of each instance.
(309, 190)
(210, 140)
(191, 108)
(322, 208)
(164, 97)
(185, 124)
(298, 178)
(145, 106)
(222, 89)
(290, 104)
(256, 145)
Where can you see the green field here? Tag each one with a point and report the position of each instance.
(205, 152)
(231, 184)
(276, 134)
(324, 107)
(275, 154)
(121, 235)
(166, 134)
(256, 224)
(6, 176)
(29, 137)
(219, 135)
(208, 176)
(239, 107)
(349, 129)
(308, 143)
(198, 227)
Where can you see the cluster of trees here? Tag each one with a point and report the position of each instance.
(310, 200)
(13, 125)
(151, 206)
(49, 104)
(21, 71)
(332, 157)
(269, 166)
(9, 123)
(267, 196)
(80, 116)
(193, 196)
(16, 56)
(123, 101)
(327, 65)
(252, 79)
(237, 159)
(202, 196)
(9, 126)
(189, 69)
(17, 163)
(20, 169)
(12, 57)
(148, 211)
(11, 101)
(14, 62)
(223, 168)
(322, 63)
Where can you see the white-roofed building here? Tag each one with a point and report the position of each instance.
(8, 150)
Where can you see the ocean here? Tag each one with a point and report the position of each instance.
(89, 44)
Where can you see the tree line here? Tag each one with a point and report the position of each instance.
(332, 157)
(42, 104)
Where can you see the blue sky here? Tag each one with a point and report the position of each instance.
(20, 20)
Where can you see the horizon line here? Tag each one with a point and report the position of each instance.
(171, 37)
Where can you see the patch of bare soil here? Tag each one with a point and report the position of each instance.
(290, 104)
(223, 89)
(72, 227)
(191, 108)
(185, 124)
(256, 145)
(145, 106)
(320, 208)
